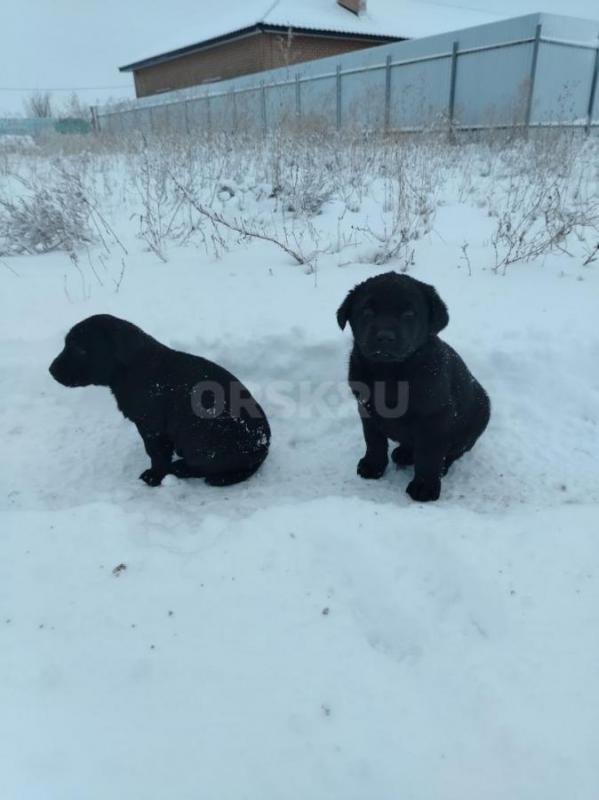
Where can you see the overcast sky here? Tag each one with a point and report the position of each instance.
(71, 44)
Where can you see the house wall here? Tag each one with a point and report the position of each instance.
(253, 53)
(281, 51)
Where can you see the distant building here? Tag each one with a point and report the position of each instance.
(288, 32)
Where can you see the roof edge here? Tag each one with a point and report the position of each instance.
(241, 33)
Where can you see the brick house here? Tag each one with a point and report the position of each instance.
(286, 33)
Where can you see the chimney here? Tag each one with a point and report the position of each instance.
(357, 7)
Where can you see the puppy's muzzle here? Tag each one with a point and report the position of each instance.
(386, 337)
(58, 370)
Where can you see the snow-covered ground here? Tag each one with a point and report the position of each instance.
(305, 634)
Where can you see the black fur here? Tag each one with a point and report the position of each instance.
(411, 387)
(157, 388)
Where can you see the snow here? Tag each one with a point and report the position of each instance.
(450, 663)
(305, 634)
(405, 18)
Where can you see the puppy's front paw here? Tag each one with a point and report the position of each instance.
(371, 470)
(151, 477)
(424, 491)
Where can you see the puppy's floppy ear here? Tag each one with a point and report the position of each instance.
(344, 309)
(127, 344)
(438, 315)
(127, 340)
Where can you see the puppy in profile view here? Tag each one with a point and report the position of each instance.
(179, 402)
(411, 387)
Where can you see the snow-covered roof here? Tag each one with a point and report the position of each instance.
(402, 19)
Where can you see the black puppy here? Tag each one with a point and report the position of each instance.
(411, 387)
(179, 402)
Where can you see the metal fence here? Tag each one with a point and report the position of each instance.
(532, 71)
(40, 126)
(31, 126)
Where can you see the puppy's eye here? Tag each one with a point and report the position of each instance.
(409, 314)
(80, 352)
(368, 313)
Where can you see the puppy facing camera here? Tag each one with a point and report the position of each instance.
(411, 387)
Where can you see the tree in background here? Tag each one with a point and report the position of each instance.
(39, 105)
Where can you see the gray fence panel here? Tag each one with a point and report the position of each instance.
(492, 86)
(138, 121)
(177, 116)
(104, 122)
(112, 123)
(419, 93)
(144, 117)
(198, 114)
(222, 112)
(128, 121)
(319, 101)
(563, 83)
(248, 110)
(280, 105)
(160, 116)
(363, 99)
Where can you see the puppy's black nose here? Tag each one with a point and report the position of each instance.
(386, 337)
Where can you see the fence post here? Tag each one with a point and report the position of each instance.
(338, 84)
(533, 75)
(453, 76)
(594, 77)
(234, 109)
(186, 114)
(263, 105)
(209, 112)
(298, 95)
(94, 117)
(388, 93)
(152, 119)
